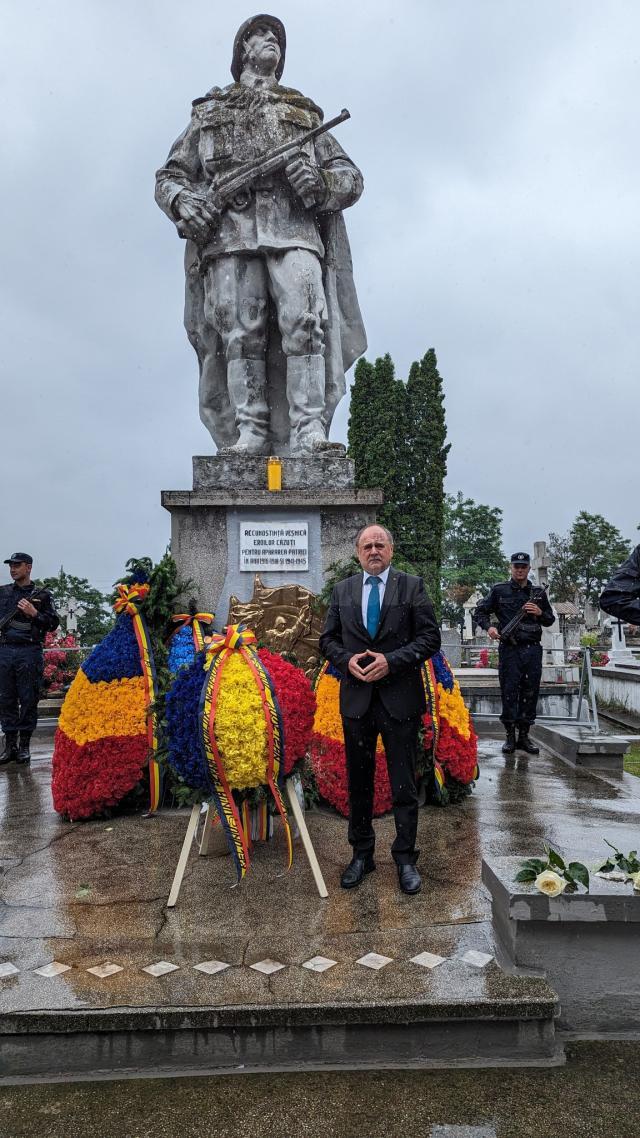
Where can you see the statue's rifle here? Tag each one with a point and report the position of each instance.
(506, 633)
(33, 599)
(234, 189)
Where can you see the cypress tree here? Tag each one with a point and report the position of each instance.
(397, 438)
(377, 437)
(424, 506)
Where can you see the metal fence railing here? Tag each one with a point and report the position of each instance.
(586, 713)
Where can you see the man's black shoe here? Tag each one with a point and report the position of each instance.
(509, 745)
(526, 744)
(409, 878)
(10, 752)
(356, 870)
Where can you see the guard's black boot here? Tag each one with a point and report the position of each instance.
(24, 753)
(525, 743)
(10, 752)
(509, 745)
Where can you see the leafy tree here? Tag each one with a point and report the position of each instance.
(473, 557)
(562, 582)
(597, 548)
(96, 619)
(425, 467)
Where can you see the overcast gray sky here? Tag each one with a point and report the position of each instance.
(499, 224)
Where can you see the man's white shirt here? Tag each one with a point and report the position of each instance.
(366, 589)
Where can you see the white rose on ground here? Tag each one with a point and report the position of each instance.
(635, 877)
(550, 883)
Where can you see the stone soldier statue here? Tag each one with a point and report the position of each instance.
(271, 308)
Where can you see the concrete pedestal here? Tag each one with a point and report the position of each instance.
(579, 746)
(229, 490)
(585, 945)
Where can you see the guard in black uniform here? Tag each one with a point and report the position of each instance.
(520, 656)
(26, 615)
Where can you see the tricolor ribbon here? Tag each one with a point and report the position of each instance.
(431, 692)
(196, 620)
(129, 596)
(237, 638)
(128, 600)
(255, 820)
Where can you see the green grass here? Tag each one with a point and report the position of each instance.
(632, 760)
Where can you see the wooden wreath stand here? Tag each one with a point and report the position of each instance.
(209, 814)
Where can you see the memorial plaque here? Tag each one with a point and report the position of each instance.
(274, 546)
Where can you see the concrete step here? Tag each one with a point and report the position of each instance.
(295, 1019)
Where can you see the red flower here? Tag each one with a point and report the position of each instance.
(330, 770)
(457, 756)
(297, 702)
(89, 778)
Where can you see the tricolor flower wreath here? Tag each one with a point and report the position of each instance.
(238, 719)
(450, 744)
(106, 732)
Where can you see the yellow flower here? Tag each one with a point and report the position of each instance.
(240, 726)
(453, 709)
(328, 720)
(92, 711)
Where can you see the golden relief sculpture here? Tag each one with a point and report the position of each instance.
(284, 619)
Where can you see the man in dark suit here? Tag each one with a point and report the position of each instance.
(379, 630)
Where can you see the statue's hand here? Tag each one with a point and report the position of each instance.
(307, 181)
(198, 219)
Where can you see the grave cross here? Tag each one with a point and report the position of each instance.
(71, 610)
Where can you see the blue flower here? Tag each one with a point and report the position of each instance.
(117, 656)
(183, 726)
(443, 672)
(181, 649)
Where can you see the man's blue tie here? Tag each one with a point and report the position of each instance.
(373, 606)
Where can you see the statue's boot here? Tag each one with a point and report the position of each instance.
(247, 384)
(305, 394)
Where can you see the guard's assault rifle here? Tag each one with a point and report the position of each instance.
(234, 189)
(506, 633)
(34, 600)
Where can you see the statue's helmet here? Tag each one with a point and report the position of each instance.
(244, 31)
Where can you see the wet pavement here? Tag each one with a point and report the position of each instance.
(85, 894)
(596, 1095)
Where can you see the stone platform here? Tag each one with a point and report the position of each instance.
(86, 894)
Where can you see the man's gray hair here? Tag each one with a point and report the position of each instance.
(384, 529)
